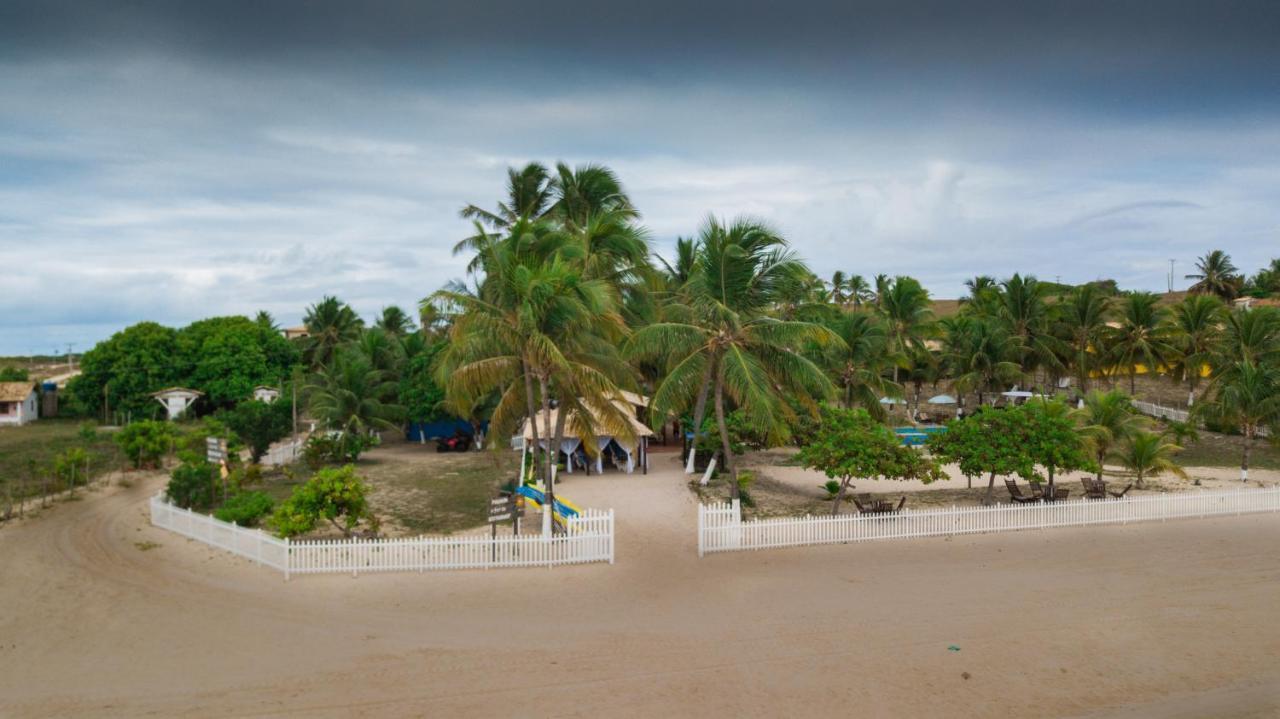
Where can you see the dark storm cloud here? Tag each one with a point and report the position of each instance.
(169, 160)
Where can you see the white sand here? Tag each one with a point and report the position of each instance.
(1139, 620)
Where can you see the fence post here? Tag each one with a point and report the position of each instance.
(288, 559)
(702, 513)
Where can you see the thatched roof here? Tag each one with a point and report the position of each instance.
(16, 391)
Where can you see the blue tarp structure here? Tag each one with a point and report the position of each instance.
(916, 436)
(422, 431)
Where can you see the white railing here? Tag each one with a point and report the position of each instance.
(252, 544)
(285, 453)
(1155, 410)
(721, 529)
(588, 538)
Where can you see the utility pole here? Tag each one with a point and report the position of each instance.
(71, 361)
(1172, 262)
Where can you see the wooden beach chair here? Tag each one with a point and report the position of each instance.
(1094, 489)
(1015, 493)
(1121, 493)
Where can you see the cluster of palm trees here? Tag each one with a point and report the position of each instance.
(565, 306)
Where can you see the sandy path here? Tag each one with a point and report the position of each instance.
(1155, 617)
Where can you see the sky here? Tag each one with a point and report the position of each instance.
(170, 161)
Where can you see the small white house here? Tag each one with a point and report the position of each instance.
(18, 403)
(176, 400)
(263, 393)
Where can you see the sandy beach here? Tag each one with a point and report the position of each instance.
(107, 616)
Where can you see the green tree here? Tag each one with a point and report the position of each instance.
(859, 362)
(1106, 421)
(1216, 275)
(125, 369)
(1247, 396)
(979, 355)
(1053, 440)
(730, 347)
(347, 396)
(1142, 337)
(1022, 309)
(330, 323)
(849, 444)
(1082, 324)
(226, 357)
(904, 305)
(260, 424)
(419, 392)
(1146, 454)
(989, 441)
(72, 466)
(13, 374)
(395, 322)
(1251, 335)
(1195, 333)
(145, 442)
(337, 495)
(193, 484)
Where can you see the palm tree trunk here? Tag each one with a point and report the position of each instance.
(724, 439)
(1244, 459)
(546, 424)
(699, 412)
(1102, 455)
(533, 421)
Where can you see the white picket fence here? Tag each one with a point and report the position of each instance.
(721, 529)
(283, 453)
(1177, 415)
(589, 538)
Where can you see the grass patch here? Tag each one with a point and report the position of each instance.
(146, 546)
(1221, 450)
(41, 442)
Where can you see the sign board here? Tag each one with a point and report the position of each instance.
(216, 449)
(500, 510)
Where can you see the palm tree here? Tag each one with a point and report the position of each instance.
(1082, 323)
(859, 363)
(730, 345)
(1146, 454)
(1195, 332)
(385, 352)
(330, 324)
(839, 288)
(904, 304)
(348, 395)
(1252, 335)
(1142, 337)
(1247, 396)
(860, 292)
(1107, 420)
(582, 191)
(266, 321)
(1020, 305)
(1216, 275)
(677, 275)
(528, 197)
(395, 322)
(981, 288)
(979, 355)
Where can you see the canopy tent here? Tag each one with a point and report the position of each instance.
(1017, 394)
(629, 434)
(942, 399)
(892, 400)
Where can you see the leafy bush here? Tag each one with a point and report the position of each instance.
(260, 424)
(13, 374)
(193, 484)
(744, 484)
(334, 448)
(71, 467)
(336, 494)
(144, 443)
(88, 432)
(245, 508)
(832, 488)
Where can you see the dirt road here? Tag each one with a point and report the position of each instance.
(1137, 620)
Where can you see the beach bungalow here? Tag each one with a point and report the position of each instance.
(582, 440)
(263, 393)
(295, 333)
(176, 400)
(18, 404)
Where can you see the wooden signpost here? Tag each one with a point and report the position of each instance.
(216, 453)
(500, 510)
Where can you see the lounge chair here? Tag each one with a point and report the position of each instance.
(1060, 493)
(901, 503)
(1094, 489)
(1015, 493)
(1121, 493)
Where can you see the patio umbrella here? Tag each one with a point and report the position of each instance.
(942, 399)
(1017, 394)
(892, 400)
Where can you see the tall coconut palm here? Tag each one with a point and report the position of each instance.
(1195, 333)
(1147, 454)
(731, 347)
(1246, 396)
(982, 291)
(1216, 275)
(979, 354)
(859, 362)
(904, 305)
(528, 197)
(839, 294)
(1021, 306)
(860, 292)
(1252, 335)
(330, 324)
(349, 395)
(579, 192)
(395, 322)
(678, 272)
(1081, 322)
(1107, 420)
(1142, 337)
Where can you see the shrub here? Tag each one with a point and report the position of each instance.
(72, 467)
(245, 508)
(260, 424)
(336, 494)
(832, 488)
(335, 447)
(145, 442)
(13, 374)
(193, 484)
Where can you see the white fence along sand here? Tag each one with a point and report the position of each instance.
(589, 538)
(721, 529)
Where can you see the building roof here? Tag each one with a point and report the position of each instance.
(177, 390)
(16, 391)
